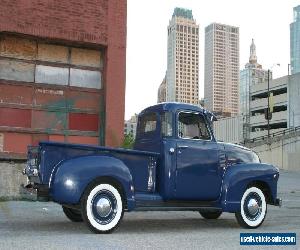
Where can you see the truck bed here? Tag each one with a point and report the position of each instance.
(142, 164)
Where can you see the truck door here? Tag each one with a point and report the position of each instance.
(198, 172)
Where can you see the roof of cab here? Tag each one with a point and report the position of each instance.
(172, 106)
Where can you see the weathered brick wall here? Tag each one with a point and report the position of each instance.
(11, 178)
(98, 22)
(77, 20)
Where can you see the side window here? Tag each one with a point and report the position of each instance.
(147, 123)
(192, 126)
(166, 124)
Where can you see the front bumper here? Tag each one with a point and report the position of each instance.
(278, 202)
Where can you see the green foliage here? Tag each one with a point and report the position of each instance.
(128, 141)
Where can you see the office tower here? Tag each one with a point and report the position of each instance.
(221, 75)
(183, 58)
(295, 41)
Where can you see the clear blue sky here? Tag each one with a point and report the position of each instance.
(266, 21)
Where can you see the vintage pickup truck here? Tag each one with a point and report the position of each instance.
(176, 164)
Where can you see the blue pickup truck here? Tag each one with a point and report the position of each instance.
(176, 165)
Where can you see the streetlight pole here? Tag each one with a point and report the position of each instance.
(268, 110)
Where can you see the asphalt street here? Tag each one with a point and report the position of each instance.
(42, 225)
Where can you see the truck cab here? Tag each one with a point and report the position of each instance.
(182, 135)
(176, 165)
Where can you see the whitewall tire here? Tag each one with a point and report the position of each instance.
(253, 208)
(102, 207)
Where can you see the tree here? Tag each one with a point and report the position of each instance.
(128, 141)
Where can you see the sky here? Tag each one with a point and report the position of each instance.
(266, 21)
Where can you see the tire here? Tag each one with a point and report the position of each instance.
(253, 208)
(211, 215)
(102, 207)
(72, 214)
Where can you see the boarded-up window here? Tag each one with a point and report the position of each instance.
(17, 71)
(29, 60)
(86, 57)
(16, 47)
(85, 78)
(52, 53)
(51, 75)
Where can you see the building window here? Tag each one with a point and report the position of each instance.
(38, 62)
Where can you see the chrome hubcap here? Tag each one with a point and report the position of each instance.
(103, 207)
(253, 206)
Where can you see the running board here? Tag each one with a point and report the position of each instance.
(157, 208)
(176, 206)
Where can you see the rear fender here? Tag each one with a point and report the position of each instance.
(70, 178)
(239, 176)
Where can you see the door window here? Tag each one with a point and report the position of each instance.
(192, 126)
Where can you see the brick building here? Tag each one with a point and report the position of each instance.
(62, 72)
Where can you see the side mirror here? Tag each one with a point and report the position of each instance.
(211, 116)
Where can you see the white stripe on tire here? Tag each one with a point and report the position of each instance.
(89, 211)
(264, 207)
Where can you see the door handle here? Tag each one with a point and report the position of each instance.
(171, 151)
(182, 147)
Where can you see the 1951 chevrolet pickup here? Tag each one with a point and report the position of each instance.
(176, 164)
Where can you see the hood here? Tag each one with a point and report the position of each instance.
(237, 154)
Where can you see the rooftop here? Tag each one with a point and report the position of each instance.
(173, 106)
(181, 12)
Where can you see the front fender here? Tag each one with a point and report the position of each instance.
(70, 178)
(237, 178)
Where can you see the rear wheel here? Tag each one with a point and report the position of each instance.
(102, 207)
(253, 208)
(72, 214)
(211, 215)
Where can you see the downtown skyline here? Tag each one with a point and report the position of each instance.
(147, 40)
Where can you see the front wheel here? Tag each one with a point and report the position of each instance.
(102, 208)
(72, 214)
(211, 215)
(253, 208)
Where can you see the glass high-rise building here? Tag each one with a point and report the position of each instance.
(295, 41)
(183, 58)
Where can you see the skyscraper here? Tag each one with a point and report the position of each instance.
(183, 58)
(295, 41)
(221, 74)
(161, 93)
(251, 75)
